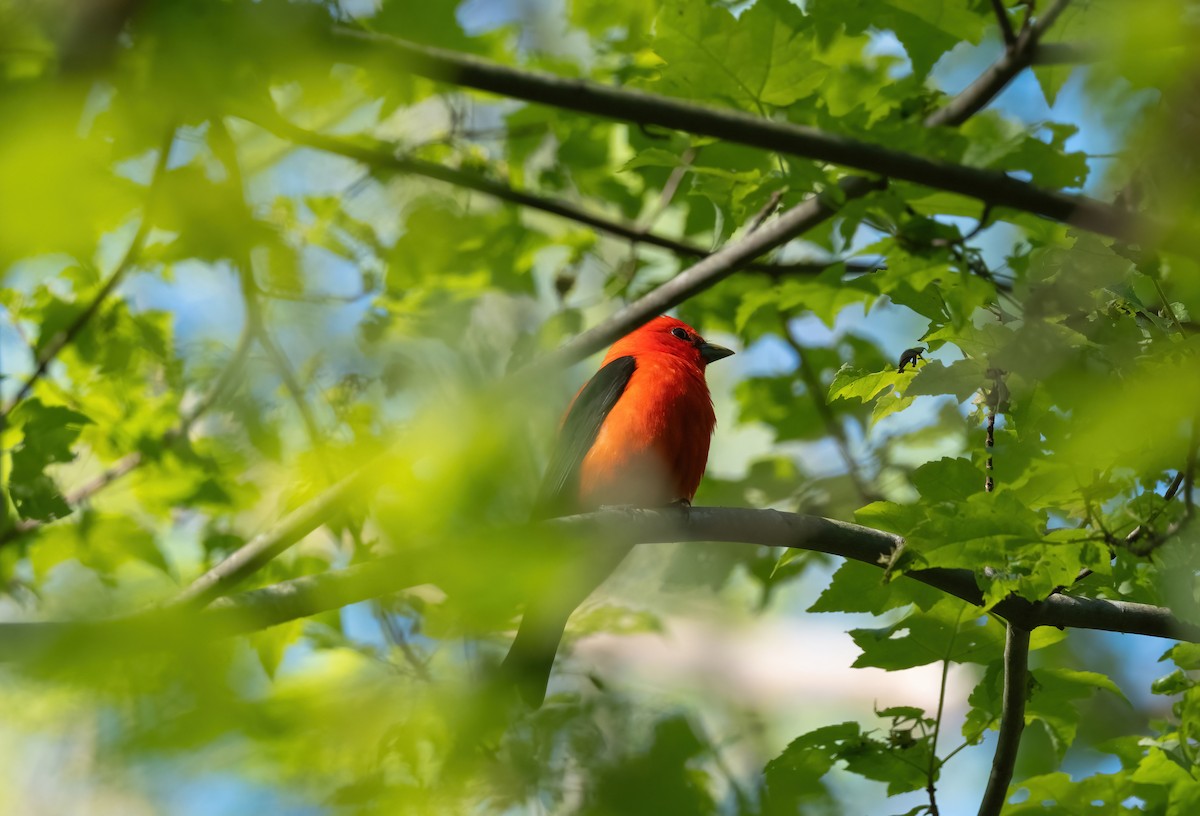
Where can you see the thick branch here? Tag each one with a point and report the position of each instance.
(1065, 54)
(302, 597)
(774, 528)
(1012, 720)
(226, 617)
(741, 128)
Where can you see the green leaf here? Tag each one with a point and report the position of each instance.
(797, 771)
(859, 587)
(774, 401)
(850, 383)
(948, 480)
(962, 378)
(271, 644)
(890, 516)
(760, 58)
(950, 630)
(47, 436)
(927, 30)
(1052, 702)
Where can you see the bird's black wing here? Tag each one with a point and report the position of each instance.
(560, 486)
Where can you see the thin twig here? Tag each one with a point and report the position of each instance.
(812, 383)
(395, 636)
(989, 484)
(934, 765)
(962, 239)
(1170, 310)
(1190, 471)
(670, 188)
(1006, 29)
(1012, 720)
(766, 211)
(1140, 530)
(132, 255)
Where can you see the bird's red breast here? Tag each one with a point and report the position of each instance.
(652, 446)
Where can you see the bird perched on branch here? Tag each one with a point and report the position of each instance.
(637, 434)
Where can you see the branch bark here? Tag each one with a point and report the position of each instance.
(303, 597)
(1012, 720)
(583, 96)
(701, 276)
(1006, 29)
(256, 552)
(1020, 54)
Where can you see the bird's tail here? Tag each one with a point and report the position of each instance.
(531, 657)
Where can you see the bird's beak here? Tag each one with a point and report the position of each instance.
(712, 352)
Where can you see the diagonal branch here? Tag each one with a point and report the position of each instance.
(812, 383)
(1012, 720)
(132, 254)
(258, 551)
(1017, 57)
(649, 109)
(706, 273)
(386, 156)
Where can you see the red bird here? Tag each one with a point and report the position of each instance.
(636, 434)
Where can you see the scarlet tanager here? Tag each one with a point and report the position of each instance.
(636, 434)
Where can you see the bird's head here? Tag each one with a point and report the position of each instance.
(666, 335)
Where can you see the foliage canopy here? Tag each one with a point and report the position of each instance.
(283, 284)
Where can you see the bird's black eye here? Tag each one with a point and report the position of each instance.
(680, 333)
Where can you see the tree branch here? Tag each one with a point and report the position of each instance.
(1012, 720)
(1017, 57)
(1062, 53)
(1006, 29)
(741, 128)
(259, 550)
(383, 155)
(310, 595)
(706, 273)
(65, 336)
